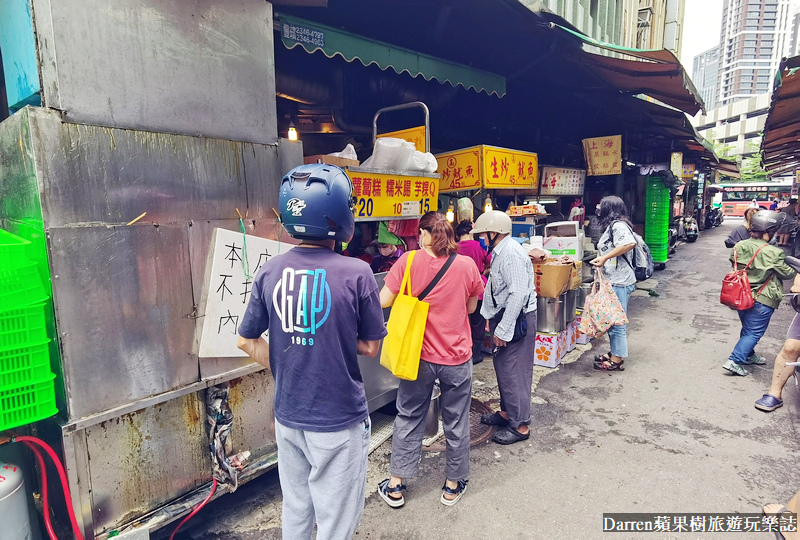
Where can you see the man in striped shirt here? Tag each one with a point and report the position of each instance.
(510, 294)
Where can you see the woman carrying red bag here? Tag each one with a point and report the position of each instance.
(766, 268)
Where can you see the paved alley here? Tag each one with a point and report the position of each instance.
(672, 433)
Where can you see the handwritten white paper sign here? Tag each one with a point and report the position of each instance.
(227, 288)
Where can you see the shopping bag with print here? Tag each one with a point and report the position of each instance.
(406, 329)
(602, 308)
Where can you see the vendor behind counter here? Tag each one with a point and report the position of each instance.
(390, 247)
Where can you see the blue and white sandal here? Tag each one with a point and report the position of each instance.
(384, 490)
(458, 492)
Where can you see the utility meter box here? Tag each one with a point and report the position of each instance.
(564, 238)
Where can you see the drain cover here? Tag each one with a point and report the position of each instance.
(478, 432)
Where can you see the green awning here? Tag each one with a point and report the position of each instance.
(331, 41)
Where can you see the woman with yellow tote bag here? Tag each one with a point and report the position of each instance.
(451, 293)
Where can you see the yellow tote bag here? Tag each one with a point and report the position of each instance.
(406, 329)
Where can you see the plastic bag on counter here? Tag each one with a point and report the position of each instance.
(390, 154)
(348, 153)
(395, 154)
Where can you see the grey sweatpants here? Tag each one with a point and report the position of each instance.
(513, 365)
(413, 400)
(323, 478)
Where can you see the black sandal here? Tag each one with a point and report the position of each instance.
(608, 365)
(384, 490)
(458, 492)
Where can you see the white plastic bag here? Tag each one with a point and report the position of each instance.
(424, 162)
(348, 153)
(390, 154)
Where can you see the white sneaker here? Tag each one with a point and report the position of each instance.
(734, 368)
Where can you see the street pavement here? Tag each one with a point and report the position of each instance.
(673, 433)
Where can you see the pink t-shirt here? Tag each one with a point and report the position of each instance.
(448, 339)
(473, 250)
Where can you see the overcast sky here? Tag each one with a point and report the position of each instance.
(702, 22)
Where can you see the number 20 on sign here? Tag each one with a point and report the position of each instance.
(386, 196)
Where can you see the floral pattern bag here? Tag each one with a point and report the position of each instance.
(602, 308)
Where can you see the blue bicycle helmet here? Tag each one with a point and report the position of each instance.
(316, 203)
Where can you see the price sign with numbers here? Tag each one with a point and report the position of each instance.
(563, 181)
(488, 167)
(382, 195)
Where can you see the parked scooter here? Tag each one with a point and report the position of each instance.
(714, 217)
(690, 229)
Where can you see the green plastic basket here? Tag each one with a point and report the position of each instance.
(20, 286)
(14, 250)
(22, 327)
(24, 365)
(27, 404)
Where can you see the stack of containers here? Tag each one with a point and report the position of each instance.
(27, 391)
(656, 219)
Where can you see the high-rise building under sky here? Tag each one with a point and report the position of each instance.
(754, 37)
(704, 76)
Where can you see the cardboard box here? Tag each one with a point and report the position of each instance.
(552, 279)
(576, 278)
(564, 238)
(331, 160)
(549, 349)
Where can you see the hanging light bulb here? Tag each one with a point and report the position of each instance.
(451, 213)
(487, 206)
(292, 132)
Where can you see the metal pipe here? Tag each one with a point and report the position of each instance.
(411, 105)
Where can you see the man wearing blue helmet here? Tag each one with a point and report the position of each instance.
(322, 310)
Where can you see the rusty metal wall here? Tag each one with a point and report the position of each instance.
(126, 296)
(204, 67)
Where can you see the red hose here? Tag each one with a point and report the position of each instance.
(196, 510)
(62, 475)
(45, 504)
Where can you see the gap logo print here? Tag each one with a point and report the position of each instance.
(302, 301)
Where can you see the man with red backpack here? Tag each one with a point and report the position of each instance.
(766, 268)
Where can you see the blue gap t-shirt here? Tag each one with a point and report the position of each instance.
(316, 304)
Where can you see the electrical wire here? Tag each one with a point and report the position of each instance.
(45, 504)
(196, 510)
(62, 476)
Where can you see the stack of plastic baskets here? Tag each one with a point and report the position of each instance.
(26, 383)
(656, 219)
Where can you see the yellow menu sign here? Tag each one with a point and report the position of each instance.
(414, 135)
(489, 167)
(390, 196)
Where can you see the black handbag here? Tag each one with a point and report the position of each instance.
(520, 325)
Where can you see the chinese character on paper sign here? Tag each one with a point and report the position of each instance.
(223, 286)
(698, 524)
(446, 175)
(597, 154)
(457, 176)
(608, 143)
(614, 152)
(494, 168)
(407, 188)
(417, 188)
(469, 171)
(376, 187)
(366, 187)
(504, 167)
(716, 524)
(246, 291)
(530, 169)
(679, 524)
(594, 146)
(356, 185)
(605, 152)
(233, 254)
(521, 169)
(233, 320)
(262, 258)
(390, 187)
(605, 165)
(425, 189)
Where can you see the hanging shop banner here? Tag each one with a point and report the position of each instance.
(561, 181)
(392, 196)
(603, 155)
(414, 135)
(687, 171)
(488, 167)
(676, 164)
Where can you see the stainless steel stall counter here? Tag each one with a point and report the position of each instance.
(379, 384)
